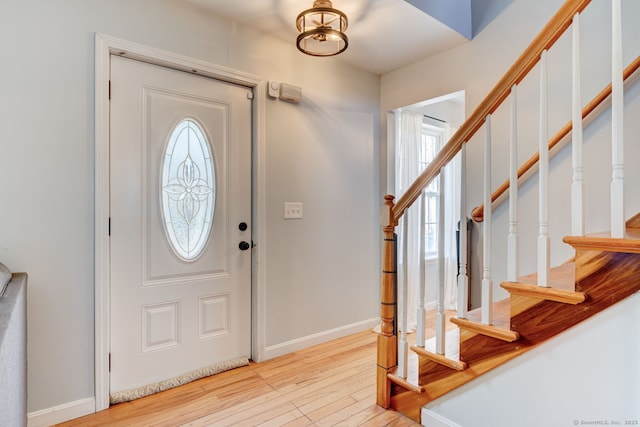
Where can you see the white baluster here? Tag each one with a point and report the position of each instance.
(403, 346)
(543, 179)
(577, 183)
(440, 327)
(487, 285)
(617, 112)
(463, 275)
(421, 313)
(512, 239)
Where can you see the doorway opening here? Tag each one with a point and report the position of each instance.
(416, 133)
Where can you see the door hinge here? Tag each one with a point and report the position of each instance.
(109, 226)
(109, 90)
(250, 95)
(109, 362)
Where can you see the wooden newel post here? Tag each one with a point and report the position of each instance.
(387, 346)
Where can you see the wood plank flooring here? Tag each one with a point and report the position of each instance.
(332, 384)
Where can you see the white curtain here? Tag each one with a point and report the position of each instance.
(451, 218)
(409, 155)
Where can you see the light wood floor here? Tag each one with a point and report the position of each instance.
(331, 384)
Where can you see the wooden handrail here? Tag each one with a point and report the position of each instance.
(518, 71)
(478, 212)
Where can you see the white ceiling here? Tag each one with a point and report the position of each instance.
(384, 35)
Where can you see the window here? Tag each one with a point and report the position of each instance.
(417, 141)
(431, 139)
(188, 190)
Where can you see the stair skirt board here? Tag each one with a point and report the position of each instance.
(147, 390)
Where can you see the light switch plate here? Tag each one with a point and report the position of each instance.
(292, 210)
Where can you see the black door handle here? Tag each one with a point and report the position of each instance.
(244, 246)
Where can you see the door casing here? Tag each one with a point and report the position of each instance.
(105, 47)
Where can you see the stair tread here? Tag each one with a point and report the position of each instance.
(496, 331)
(412, 381)
(442, 359)
(561, 277)
(501, 313)
(562, 286)
(451, 356)
(603, 241)
(551, 294)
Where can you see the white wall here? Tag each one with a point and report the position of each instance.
(321, 272)
(539, 388)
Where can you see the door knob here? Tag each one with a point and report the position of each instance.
(244, 246)
(242, 226)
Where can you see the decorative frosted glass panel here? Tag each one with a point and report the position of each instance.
(188, 190)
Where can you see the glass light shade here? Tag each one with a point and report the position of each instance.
(322, 30)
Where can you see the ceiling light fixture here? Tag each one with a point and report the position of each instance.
(322, 30)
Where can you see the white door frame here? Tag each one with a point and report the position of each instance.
(105, 46)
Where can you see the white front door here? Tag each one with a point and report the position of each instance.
(180, 225)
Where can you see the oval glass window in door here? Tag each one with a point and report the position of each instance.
(188, 190)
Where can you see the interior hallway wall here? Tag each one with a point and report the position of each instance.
(321, 271)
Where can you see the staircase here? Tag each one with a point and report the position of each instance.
(602, 274)
(604, 271)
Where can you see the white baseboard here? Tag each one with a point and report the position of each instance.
(321, 337)
(429, 418)
(62, 413)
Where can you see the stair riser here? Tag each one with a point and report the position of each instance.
(589, 262)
